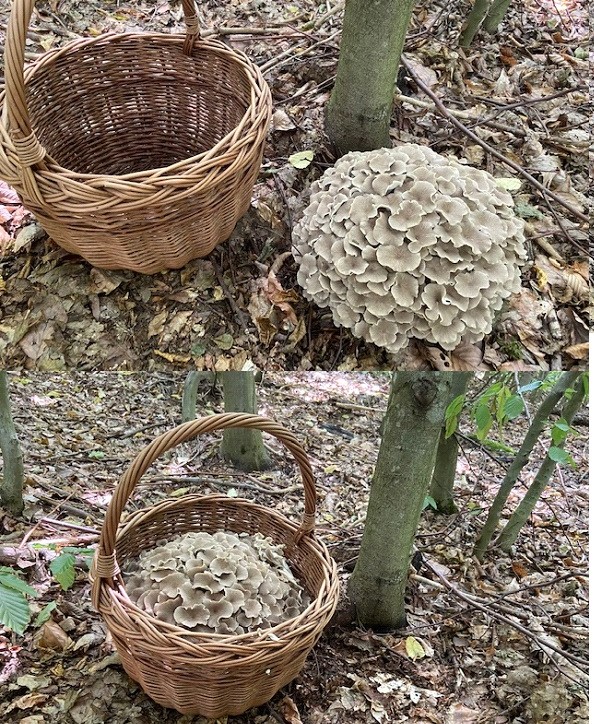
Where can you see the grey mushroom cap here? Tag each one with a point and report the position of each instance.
(223, 583)
(413, 233)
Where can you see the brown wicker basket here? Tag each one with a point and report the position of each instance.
(211, 674)
(136, 150)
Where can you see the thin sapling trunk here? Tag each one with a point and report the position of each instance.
(406, 458)
(521, 514)
(11, 484)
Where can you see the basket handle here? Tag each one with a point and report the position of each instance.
(28, 148)
(105, 564)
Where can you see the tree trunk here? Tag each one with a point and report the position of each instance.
(444, 474)
(412, 424)
(190, 392)
(521, 514)
(360, 107)
(241, 447)
(11, 485)
(495, 15)
(539, 421)
(474, 21)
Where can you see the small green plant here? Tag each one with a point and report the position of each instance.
(15, 612)
(14, 606)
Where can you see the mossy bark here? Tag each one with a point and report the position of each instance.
(444, 473)
(521, 514)
(406, 458)
(473, 21)
(495, 15)
(360, 107)
(539, 421)
(243, 448)
(11, 484)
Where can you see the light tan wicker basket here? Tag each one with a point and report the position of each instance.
(211, 674)
(135, 150)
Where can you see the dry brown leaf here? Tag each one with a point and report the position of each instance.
(578, 351)
(519, 569)
(565, 283)
(34, 344)
(157, 324)
(53, 637)
(467, 358)
(103, 282)
(281, 298)
(289, 711)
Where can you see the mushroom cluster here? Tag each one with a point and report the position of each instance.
(403, 242)
(225, 583)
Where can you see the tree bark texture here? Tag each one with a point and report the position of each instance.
(360, 107)
(495, 15)
(521, 514)
(11, 485)
(190, 392)
(539, 422)
(412, 425)
(473, 22)
(243, 448)
(444, 473)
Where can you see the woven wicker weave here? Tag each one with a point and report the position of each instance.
(137, 150)
(211, 674)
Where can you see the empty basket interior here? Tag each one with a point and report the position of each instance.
(128, 104)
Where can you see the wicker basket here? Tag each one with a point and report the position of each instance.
(211, 674)
(136, 150)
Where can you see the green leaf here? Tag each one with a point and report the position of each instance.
(498, 446)
(301, 159)
(513, 407)
(508, 184)
(452, 412)
(484, 420)
(14, 610)
(525, 211)
(534, 385)
(414, 648)
(96, 454)
(44, 614)
(63, 569)
(429, 502)
(9, 580)
(559, 455)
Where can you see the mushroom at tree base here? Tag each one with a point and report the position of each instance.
(404, 243)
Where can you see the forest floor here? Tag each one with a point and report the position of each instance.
(454, 663)
(524, 91)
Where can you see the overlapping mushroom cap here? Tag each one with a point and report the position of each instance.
(224, 583)
(403, 242)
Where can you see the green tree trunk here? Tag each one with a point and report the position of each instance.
(412, 424)
(190, 392)
(241, 447)
(521, 514)
(360, 107)
(444, 474)
(495, 15)
(11, 485)
(473, 22)
(539, 422)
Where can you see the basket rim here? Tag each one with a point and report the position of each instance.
(261, 100)
(277, 635)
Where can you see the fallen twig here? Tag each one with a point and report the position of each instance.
(547, 193)
(475, 602)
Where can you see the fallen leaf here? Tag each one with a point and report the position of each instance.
(157, 324)
(34, 343)
(179, 358)
(51, 636)
(301, 159)
(519, 569)
(224, 342)
(103, 281)
(578, 351)
(281, 121)
(414, 648)
(289, 711)
(508, 184)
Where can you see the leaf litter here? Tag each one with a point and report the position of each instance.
(523, 91)
(453, 663)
